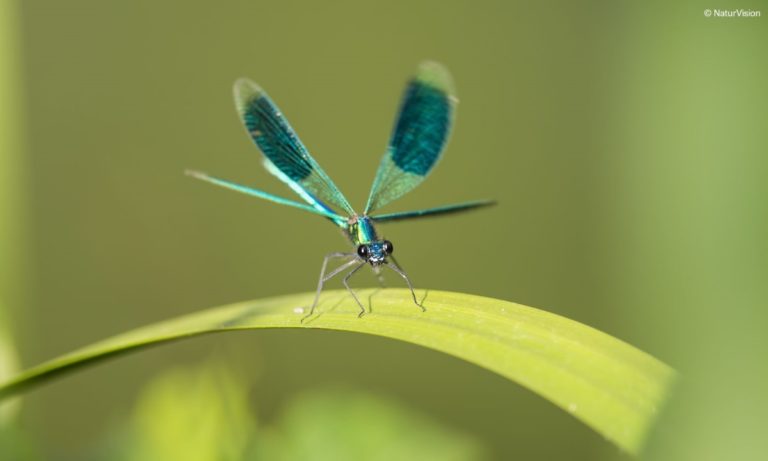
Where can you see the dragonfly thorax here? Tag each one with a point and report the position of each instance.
(360, 230)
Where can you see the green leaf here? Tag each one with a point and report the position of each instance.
(609, 385)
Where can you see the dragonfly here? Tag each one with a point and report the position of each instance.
(421, 131)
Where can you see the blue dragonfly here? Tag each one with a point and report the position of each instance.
(421, 131)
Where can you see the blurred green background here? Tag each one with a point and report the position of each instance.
(625, 143)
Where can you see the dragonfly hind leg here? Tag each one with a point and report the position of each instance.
(324, 278)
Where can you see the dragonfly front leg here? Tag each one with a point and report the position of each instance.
(324, 278)
(351, 291)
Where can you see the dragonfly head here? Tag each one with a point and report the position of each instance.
(375, 253)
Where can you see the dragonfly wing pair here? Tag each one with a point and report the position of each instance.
(420, 134)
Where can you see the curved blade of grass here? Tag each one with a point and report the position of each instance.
(609, 385)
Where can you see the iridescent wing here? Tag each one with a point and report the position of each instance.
(421, 131)
(285, 155)
(441, 210)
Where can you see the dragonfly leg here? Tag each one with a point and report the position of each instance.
(324, 278)
(351, 291)
(395, 267)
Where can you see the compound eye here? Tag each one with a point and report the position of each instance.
(388, 247)
(362, 251)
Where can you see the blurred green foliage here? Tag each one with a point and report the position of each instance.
(202, 413)
(195, 414)
(8, 367)
(14, 443)
(10, 195)
(346, 424)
